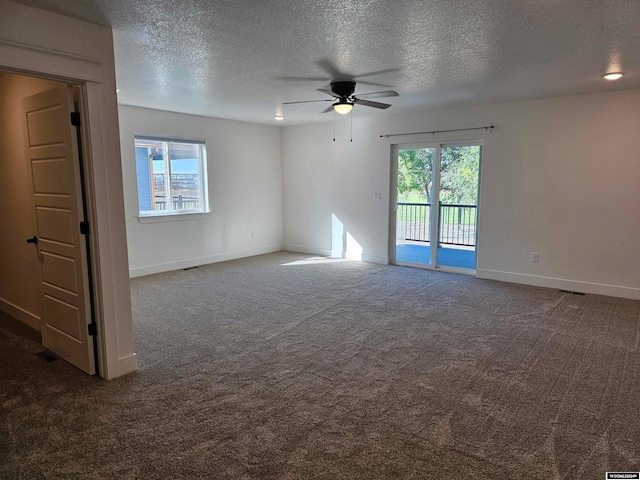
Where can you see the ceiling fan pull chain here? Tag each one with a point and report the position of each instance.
(334, 125)
(351, 116)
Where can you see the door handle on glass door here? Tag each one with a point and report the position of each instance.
(395, 206)
(33, 240)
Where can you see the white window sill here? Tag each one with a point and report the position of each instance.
(171, 217)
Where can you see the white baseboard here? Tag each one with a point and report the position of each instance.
(195, 262)
(127, 364)
(561, 284)
(21, 314)
(324, 252)
(379, 259)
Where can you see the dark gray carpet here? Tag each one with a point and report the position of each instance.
(254, 369)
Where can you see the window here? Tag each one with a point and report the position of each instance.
(172, 175)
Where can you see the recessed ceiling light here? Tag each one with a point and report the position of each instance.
(279, 117)
(613, 76)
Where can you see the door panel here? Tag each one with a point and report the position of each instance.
(67, 320)
(458, 194)
(414, 206)
(55, 224)
(53, 156)
(45, 128)
(59, 271)
(49, 177)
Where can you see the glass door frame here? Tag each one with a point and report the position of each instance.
(435, 226)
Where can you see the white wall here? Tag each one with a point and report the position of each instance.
(43, 43)
(21, 279)
(560, 176)
(245, 193)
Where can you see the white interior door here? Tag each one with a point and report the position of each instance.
(52, 150)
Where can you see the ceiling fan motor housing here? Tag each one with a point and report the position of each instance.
(343, 88)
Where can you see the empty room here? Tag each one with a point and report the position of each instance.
(320, 240)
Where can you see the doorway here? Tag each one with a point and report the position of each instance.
(46, 281)
(435, 192)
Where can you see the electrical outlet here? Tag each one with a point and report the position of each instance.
(535, 257)
(377, 196)
(253, 235)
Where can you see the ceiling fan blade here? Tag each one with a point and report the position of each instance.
(302, 79)
(369, 103)
(332, 69)
(307, 101)
(329, 67)
(328, 92)
(373, 84)
(386, 93)
(378, 72)
(328, 109)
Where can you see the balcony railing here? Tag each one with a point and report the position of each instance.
(413, 222)
(180, 202)
(457, 224)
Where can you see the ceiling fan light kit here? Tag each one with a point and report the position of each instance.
(343, 107)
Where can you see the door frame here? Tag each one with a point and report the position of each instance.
(84, 193)
(105, 202)
(438, 144)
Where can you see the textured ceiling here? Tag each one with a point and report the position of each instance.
(241, 59)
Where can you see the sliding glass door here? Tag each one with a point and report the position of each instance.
(434, 220)
(458, 205)
(414, 201)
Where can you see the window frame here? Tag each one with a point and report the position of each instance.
(167, 142)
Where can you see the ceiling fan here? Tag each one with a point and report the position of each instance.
(344, 92)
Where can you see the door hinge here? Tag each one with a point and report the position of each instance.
(84, 227)
(91, 328)
(75, 119)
